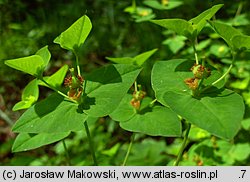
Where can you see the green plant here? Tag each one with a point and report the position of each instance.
(187, 92)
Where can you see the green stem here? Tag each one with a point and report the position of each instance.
(152, 102)
(67, 152)
(228, 70)
(77, 64)
(84, 86)
(224, 75)
(135, 86)
(91, 145)
(195, 54)
(134, 5)
(240, 6)
(183, 146)
(6, 118)
(58, 91)
(129, 149)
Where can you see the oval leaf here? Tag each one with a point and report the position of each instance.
(52, 115)
(27, 141)
(219, 112)
(161, 121)
(170, 75)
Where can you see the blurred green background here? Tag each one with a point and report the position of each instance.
(26, 26)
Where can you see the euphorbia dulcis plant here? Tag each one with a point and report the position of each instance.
(187, 92)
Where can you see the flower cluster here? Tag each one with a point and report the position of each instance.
(137, 98)
(200, 72)
(75, 85)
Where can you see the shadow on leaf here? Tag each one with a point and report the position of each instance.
(87, 102)
(184, 66)
(48, 105)
(105, 75)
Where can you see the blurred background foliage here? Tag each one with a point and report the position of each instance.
(26, 26)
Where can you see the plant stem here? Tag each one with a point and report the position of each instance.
(240, 6)
(6, 118)
(134, 5)
(77, 64)
(84, 86)
(129, 149)
(183, 146)
(228, 70)
(153, 101)
(224, 75)
(90, 143)
(67, 152)
(58, 91)
(195, 54)
(135, 86)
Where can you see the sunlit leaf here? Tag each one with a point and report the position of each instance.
(27, 141)
(29, 96)
(75, 35)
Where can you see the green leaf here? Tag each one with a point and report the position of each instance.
(191, 28)
(137, 60)
(32, 65)
(124, 110)
(45, 54)
(52, 115)
(208, 110)
(240, 84)
(170, 75)
(165, 77)
(144, 152)
(220, 113)
(227, 32)
(106, 87)
(123, 60)
(27, 141)
(175, 43)
(240, 151)
(246, 124)
(161, 121)
(56, 79)
(141, 58)
(75, 35)
(180, 26)
(200, 21)
(158, 121)
(241, 42)
(57, 39)
(140, 14)
(157, 5)
(29, 96)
